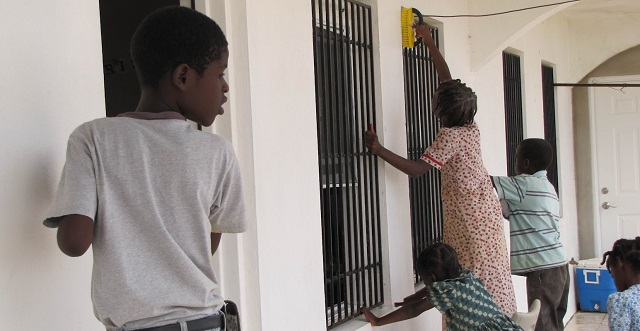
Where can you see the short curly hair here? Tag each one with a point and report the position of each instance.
(456, 104)
(171, 36)
(538, 151)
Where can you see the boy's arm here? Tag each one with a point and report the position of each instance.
(75, 234)
(403, 313)
(510, 188)
(422, 31)
(215, 242)
(504, 204)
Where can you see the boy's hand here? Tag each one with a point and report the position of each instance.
(505, 208)
(371, 318)
(371, 140)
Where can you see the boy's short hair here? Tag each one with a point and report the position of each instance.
(456, 102)
(538, 151)
(172, 36)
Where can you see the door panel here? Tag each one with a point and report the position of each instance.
(617, 128)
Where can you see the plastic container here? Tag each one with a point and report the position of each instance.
(595, 284)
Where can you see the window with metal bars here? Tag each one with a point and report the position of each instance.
(512, 107)
(348, 173)
(549, 110)
(420, 83)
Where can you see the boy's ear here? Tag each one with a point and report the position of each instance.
(181, 76)
(526, 164)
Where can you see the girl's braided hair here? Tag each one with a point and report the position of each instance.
(441, 260)
(456, 104)
(627, 250)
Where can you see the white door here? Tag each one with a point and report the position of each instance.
(617, 136)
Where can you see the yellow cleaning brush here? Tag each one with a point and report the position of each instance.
(408, 17)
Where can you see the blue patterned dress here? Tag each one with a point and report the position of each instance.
(468, 306)
(624, 310)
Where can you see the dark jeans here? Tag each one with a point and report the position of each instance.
(551, 287)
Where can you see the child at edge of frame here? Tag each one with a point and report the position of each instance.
(537, 253)
(623, 262)
(149, 193)
(473, 222)
(453, 290)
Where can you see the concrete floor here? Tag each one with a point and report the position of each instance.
(591, 321)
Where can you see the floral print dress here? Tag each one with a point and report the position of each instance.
(624, 309)
(473, 222)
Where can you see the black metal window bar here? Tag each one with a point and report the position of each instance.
(549, 110)
(348, 173)
(420, 83)
(512, 107)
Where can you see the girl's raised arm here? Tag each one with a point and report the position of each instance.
(422, 31)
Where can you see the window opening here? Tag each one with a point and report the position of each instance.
(512, 107)
(420, 83)
(348, 174)
(549, 110)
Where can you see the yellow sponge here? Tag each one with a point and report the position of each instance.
(406, 19)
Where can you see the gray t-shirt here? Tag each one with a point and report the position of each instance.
(156, 188)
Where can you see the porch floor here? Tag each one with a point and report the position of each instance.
(592, 321)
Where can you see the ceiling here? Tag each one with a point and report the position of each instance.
(597, 9)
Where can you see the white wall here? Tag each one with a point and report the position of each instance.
(288, 241)
(547, 43)
(594, 42)
(487, 41)
(52, 82)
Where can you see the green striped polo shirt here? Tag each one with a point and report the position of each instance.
(534, 221)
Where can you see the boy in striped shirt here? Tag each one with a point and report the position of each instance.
(533, 213)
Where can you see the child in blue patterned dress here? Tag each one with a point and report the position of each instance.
(623, 262)
(454, 291)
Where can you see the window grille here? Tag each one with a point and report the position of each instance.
(512, 107)
(549, 109)
(348, 173)
(420, 83)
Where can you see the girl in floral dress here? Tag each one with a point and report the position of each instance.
(623, 261)
(454, 291)
(473, 222)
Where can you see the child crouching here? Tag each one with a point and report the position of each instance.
(454, 291)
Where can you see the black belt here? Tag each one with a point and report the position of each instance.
(205, 323)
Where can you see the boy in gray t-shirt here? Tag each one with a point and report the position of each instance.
(151, 194)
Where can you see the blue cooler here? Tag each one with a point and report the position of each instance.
(595, 284)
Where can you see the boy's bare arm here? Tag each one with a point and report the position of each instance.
(215, 241)
(422, 31)
(75, 234)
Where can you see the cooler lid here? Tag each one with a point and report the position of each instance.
(591, 263)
